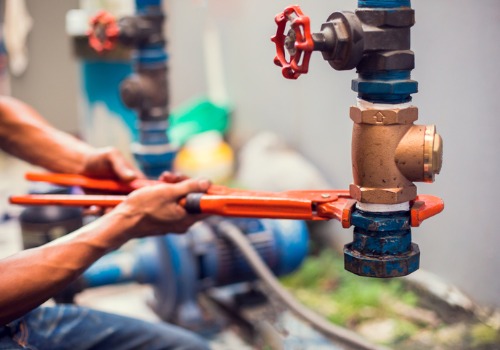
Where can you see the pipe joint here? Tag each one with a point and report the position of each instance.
(141, 30)
(389, 153)
(419, 154)
(146, 92)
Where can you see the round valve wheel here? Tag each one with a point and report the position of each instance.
(298, 42)
(104, 32)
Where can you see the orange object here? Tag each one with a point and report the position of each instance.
(68, 200)
(221, 200)
(90, 183)
(104, 32)
(299, 205)
(424, 207)
(302, 46)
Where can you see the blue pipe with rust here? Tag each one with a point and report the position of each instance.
(390, 86)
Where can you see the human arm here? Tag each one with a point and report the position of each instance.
(32, 276)
(25, 134)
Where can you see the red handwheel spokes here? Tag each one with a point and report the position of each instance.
(298, 42)
(104, 31)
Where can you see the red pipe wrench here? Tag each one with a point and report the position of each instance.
(221, 200)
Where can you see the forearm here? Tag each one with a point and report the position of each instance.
(24, 133)
(31, 277)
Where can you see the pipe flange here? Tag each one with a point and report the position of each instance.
(383, 266)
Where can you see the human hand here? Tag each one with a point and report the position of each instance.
(172, 177)
(156, 210)
(109, 163)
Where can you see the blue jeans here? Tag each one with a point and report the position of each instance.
(66, 327)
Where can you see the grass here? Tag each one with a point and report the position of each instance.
(345, 299)
(352, 301)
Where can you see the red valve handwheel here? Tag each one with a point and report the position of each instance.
(104, 32)
(301, 25)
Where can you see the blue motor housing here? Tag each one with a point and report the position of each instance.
(181, 266)
(282, 244)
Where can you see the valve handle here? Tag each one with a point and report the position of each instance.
(299, 42)
(104, 32)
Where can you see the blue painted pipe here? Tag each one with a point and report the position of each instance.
(140, 266)
(155, 153)
(386, 4)
(144, 5)
(388, 87)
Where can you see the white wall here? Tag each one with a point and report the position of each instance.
(50, 83)
(457, 50)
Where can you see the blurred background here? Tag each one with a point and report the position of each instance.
(222, 49)
(456, 47)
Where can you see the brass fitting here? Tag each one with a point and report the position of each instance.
(389, 153)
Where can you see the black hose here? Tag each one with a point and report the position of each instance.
(233, 233)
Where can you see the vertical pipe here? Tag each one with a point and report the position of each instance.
(387, 4)
(154, 151)
(382, 235)
(386, 86)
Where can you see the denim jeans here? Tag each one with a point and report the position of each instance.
(70, 327)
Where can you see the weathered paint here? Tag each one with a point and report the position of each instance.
(382, 245)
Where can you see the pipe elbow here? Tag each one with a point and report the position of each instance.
(419, 154)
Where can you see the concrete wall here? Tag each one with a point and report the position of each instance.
(51, 80)
(456, 45)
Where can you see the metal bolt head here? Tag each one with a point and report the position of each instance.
(325, 195)
(290, 42)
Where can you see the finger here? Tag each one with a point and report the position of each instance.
(172, 177)
(185, 187)
(122, 168)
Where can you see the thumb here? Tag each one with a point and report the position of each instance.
(182, 189)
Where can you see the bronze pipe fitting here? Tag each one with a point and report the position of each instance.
(389, 153)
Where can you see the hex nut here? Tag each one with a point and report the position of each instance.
(380, 223)
(383, 195)
(386, 39)
(399, 87)
(384, 117)
(387, 60)
(380, 18)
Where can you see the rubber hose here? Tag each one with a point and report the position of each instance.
(233, 234)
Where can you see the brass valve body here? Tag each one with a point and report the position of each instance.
(389, 153)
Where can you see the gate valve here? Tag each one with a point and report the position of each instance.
(104, 32)
(341, 41)
(298, 42)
